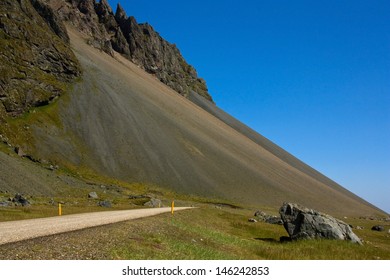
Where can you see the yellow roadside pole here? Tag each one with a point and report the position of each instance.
(59, 209)
(172, 206)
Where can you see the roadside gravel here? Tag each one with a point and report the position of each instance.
(15, 231)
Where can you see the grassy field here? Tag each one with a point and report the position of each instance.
(208, 232)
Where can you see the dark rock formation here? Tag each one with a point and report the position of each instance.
(107, 18)
(303, 223)
(105, 204)
(378, 228)
(150, 51)
(20, 200)
(36, 63)
(51, 18)
(139, 196)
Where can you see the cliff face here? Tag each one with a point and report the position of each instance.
(157, 56)
(36, 62)
(138, 42)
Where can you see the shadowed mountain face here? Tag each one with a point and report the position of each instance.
(124, 123)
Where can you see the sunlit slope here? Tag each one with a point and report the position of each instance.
(124, 123)
(268, 145)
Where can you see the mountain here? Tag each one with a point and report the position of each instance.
(133, 109)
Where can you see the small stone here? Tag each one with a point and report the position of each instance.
(20, 152)
(105, 203)
(274, 220)
(154, 203)
(93, 195)
(5, 204)
(378, 228)
(251, 220)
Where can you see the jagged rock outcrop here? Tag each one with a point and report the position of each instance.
(138, 42)
(81, 14)
(157, 56)
(52, 19)
(107, 18)
(36, 63)
(304, 223)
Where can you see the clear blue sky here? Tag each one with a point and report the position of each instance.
(312, 76)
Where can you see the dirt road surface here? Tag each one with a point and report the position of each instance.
(14, 231)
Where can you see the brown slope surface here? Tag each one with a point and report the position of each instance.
(124, 123)
(267, 144)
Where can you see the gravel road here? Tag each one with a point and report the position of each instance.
(27, 229)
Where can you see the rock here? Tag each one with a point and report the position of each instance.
(52, 19)
(138, 196)
(378, 228)
(154, 202)
(36, 63)
(262, 216)
(51, 201)
(304, 223)
(93, 195)
(20, 152)
(5, 204)
(251, 220)
(161, 58)
(138, 42)
(359, 227)
(274, 220)
(20, 200)
(105, 203)
(106, 17)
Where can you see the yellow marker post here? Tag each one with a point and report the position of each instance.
(172, 206)
(59, 209)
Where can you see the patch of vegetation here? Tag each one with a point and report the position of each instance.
(209, 233)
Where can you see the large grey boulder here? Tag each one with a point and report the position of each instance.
(304, 223)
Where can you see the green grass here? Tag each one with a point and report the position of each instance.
(206, 233)
(209, 233)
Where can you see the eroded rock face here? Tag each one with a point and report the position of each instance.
(304, 223)
(35, 60)
(138, 42)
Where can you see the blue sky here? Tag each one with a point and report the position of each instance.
(312, 76)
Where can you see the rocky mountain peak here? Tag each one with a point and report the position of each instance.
(140, 43)
(120, 14)
(37, 62)
(85, 6)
